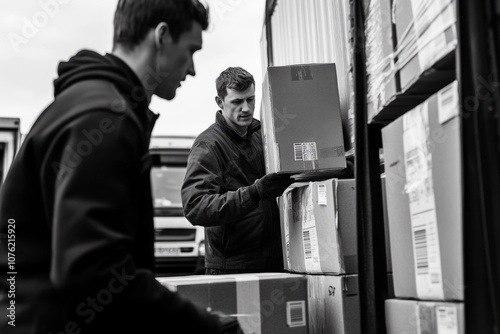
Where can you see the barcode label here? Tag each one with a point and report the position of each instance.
(311, 245)
(446, 320)
(448, 103)
(305, 151)
(427, 255)
(421, 251)
(296, 313)
(307, 244)
(311, 250)
(322, 199)
(299, 153)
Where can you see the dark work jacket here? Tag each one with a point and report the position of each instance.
(240, 234)
(79, 197)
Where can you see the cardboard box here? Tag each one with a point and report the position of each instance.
(381, 71)
(422, 39)
(422, 153)
(318, 227)
(333, 304)
(263, 302)
(302, 126)
(421, 317)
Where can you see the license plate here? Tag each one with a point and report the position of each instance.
(169, 251)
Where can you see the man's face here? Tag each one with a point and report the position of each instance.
(175, 61)
(238, 107)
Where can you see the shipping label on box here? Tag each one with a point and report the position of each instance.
(420, 189)
(333, 304)
(300, 113)
(424, 200)
(318, 224)
(262, 302)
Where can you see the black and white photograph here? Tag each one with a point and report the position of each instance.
(250, 166)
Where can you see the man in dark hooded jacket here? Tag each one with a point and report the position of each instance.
(226, 190)
(76, 210)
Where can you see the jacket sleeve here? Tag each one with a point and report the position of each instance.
(204, 201)
(94, 225)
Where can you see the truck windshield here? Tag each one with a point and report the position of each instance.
(166, 183)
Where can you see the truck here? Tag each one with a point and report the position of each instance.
(179, 246)
(10, 140)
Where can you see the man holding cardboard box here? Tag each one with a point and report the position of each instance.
(226, 190)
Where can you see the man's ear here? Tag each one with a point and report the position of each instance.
(162, 34)
(218, 100)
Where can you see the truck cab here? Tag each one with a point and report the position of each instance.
(179, 246)
(10, 140)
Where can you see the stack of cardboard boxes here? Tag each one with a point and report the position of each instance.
(425, 33)
(421, 149)
(318, 229)
(303, 134)
(405, 39)
(424, 207)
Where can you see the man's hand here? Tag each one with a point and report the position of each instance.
(272, 185)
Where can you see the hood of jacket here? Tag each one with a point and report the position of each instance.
(88, 65)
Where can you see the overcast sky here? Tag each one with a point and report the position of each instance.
(37, 34)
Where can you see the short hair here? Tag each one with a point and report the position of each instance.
(235, 78)
(134, 18)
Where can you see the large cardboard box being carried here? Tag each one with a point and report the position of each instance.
(333, 304)
(421, 317)
(263, 302)
(300, 114)
(318, 227)
(424, 199)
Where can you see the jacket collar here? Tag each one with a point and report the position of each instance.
(142, 105)
(152, 117)
(221, 121)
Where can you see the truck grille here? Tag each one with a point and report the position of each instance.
(175, 234)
